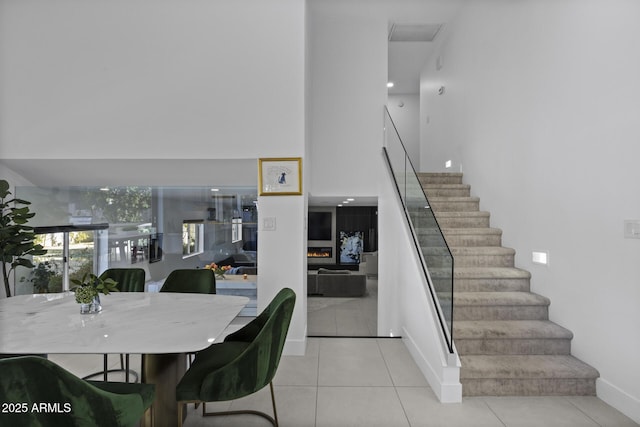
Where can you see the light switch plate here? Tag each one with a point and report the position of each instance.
(632, 229)
(269, 224)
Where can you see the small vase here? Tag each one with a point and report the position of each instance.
(92, 307)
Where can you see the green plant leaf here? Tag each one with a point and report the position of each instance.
(24, 262)
(4, 188)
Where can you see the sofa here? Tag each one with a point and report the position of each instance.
(336, 283)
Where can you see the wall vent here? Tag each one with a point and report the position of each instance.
(413, 32)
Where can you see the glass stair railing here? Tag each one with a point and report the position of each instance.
(437, 260)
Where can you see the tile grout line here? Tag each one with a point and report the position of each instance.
(493, 412)
(315, 418)
(395, 387)
(581, 411)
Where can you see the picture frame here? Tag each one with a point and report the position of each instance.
(280, 176)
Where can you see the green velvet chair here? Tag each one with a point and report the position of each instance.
(196, 281)
(191, 281)
(129, 280)
(47, 395)
(244, 363)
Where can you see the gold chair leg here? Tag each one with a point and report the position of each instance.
(273, 402)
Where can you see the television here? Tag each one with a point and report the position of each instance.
(155, 247)
(319, 227)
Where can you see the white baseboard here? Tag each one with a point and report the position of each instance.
(619, 399)
(445, 392)
(295, 347)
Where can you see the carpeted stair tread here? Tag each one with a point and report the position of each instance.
(428, 186)
(509, 329)
(481, 250)
(482, 231)
(440, 178)
(498, 299)
(490, 273)
(471, 250)
(537, 366)
(455, 204)
(467, 214)
(461, 237)
(445, 190)
(444, 199)
(483, 256)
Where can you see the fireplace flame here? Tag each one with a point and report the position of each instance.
(319, 253)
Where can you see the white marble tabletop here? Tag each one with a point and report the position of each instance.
(130, 322)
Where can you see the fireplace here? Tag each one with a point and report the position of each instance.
(319, 252)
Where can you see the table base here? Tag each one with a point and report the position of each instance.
(165, 371)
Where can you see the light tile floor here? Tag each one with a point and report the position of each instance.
(351, 317)
(371, 382)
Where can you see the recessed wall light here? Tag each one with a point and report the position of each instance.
(215, 189)
(350, 200)
(390, 84)
(540, 258)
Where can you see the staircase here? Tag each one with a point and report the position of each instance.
(502, 332)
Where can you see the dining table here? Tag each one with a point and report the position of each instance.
(162, 327)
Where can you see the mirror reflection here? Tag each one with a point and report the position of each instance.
(160, 229)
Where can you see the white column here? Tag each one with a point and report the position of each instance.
(282, 260)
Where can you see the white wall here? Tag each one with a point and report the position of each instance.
(168, 79)
(405, 112)
(541, 113)
(151, 79)
(282, 260)
(348, 61)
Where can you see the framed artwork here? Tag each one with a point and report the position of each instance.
(351, 244)
(280, 176)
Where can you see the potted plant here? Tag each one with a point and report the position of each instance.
(218, 270)
(41, 276)
(88, 289)
(16, 237)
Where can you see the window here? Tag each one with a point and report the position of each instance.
(192, 237)
(236, 230)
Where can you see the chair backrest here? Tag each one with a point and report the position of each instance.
(60, 398)
(129, 279)
(257, 365)
(196, 281)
